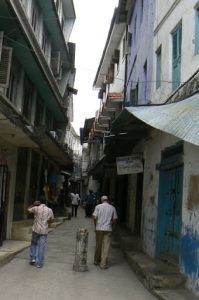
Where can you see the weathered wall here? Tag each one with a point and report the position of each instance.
(166, 21)
(118, 84)
(152, 154)
(130, 218)
(190, 215)
(141, 27)
(189, 258)
(8, 157)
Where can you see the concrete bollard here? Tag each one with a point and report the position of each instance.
(80, 264)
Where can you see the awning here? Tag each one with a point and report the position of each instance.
(180, 119)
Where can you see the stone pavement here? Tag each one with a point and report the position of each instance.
(20, 281)
(57, 280)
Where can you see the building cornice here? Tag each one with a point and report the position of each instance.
(169, 12)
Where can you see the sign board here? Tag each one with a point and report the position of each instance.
(129, 164)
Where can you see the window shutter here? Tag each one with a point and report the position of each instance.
(56, 63)
(158, 67)
(5, 66)
(197, 31)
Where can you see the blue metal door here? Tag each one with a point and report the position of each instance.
(169, 212)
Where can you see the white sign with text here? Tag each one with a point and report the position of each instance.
(129, 165)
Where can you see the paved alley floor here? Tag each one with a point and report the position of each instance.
(58, 281)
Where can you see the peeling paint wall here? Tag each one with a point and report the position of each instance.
(157, 142)
(189, 253)
(189, 260)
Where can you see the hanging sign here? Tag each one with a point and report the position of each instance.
(129, 164)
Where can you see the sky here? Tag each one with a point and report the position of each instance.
(93, 19)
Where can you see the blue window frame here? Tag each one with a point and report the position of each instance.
(176, 57)
(158, 67)
(197, 31)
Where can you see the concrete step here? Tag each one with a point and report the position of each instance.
(21, 233)
(179, 294)
(22, 230)
(10, 248)
(60, 219)
(154, 273)
(130, 243)
(54, 224)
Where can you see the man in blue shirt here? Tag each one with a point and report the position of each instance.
(90, 202)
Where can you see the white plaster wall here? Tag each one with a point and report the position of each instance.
(162, 7)
(118, 84)
(185, 12)
(93, 185)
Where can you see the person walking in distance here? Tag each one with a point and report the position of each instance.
(90, 202)
(42, 217)
(74, 203)
(104, 216)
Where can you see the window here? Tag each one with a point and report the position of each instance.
(158, 67)
(39, 113)
(34, 19)
(10, 94)
(128, 50)
(135, 29)
(49, 120)
(197, 31)
(142, 10)
(176, 57)
(57, 3)
(27, 99)
(145, 82)
(62, 24)
(134, 96)
(44, 42)
(123, 47)
(5, 66)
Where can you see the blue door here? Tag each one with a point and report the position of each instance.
(169, 212)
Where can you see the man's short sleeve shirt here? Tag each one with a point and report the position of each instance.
(42, 214)
(104, 213)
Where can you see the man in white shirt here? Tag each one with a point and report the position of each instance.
(74, 203)
(104, 216)
(42, 216)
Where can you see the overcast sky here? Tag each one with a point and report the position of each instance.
(93, 18)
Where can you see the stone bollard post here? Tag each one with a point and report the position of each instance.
(80, 264)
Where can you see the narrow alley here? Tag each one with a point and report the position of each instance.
(57, 280)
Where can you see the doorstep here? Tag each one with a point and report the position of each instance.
(10, 248)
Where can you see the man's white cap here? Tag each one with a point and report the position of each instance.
(104, 198)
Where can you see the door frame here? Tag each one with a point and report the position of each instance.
(172, 158)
